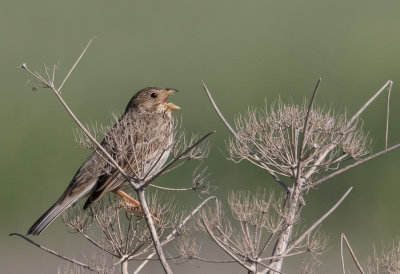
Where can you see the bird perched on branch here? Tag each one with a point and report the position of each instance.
(140, 142)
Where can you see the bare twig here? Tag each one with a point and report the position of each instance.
(212, 261)
(172, 189)
(57, 91)
(170, 163)
(388, 84)
(348, 125)
(48, 250)
(152, 228)
(175, 232)
(303, 141)
(387, 114)
(75, 64)
(343, 238)
(223, 247)
(96, 243)
(333, 174)
(218, 111)
(317, 223)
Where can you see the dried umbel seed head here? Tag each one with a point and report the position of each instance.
(387, 260)
(76, 220)
(188, 247)
(271, 138)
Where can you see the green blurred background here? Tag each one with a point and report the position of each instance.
(246, 51)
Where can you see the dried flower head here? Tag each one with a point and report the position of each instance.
(188, 247)
(272, 138)
(388, 262)
(76, 220)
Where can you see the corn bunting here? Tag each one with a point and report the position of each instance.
(140, 142)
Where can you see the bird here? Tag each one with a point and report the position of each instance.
(140, 142)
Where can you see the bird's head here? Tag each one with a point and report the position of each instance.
(152, 100)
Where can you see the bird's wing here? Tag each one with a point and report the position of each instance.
(140, 144)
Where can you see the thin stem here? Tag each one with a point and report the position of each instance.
(333, 174)
(267, 242)
(147, 182)
(387, 114)
(218, 111)
(153, 232)
(212, 261)
(96, 243)
(361, 110)
(353, 255)
(57, 93)
(154, 165)
(172, 189)
(175, 232)
(303, 141)
(318, 222)
(106, 154)
(52, 252)
(75, 64)
(348, 126)
(224, 248)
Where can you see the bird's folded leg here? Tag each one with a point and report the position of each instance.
(127, 197)
(134, 204)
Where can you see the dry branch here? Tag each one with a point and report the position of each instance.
(138, 185)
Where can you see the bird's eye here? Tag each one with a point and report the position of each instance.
(153, 95)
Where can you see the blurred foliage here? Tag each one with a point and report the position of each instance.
(246, 51)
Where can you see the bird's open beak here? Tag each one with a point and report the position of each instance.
(171, 106)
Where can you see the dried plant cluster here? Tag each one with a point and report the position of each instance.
(144, 166)
(124, 232)
(260, 218)
(387, 261)
(119, 231)
(299, 146)
(274, 139)
(271, 139)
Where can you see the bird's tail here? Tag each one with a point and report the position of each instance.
(72, 194)
(50, 215)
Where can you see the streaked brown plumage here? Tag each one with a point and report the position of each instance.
(140, 141)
